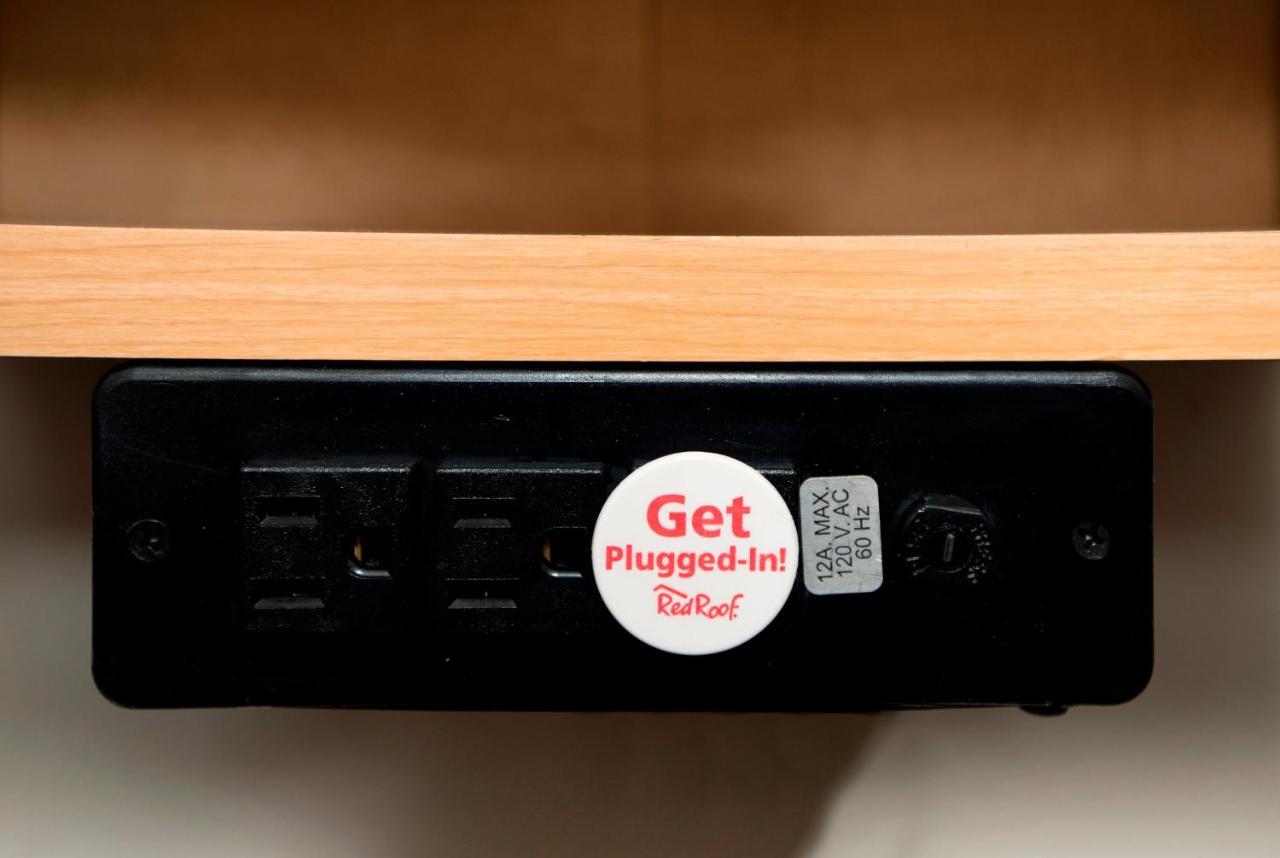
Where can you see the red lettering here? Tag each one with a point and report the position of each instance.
(673, 603)
(707, 521)
(676, 527)
(737, 512)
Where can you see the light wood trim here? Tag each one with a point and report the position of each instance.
(77, 291)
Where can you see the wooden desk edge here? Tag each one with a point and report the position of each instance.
(183, 293)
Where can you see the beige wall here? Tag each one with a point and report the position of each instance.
(1191, 768)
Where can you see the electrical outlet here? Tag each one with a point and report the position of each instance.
(795, 538)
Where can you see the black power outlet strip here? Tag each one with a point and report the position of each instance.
(425, 536)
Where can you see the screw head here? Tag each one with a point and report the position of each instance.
(1091, 541)
(148, 540)
(948, 538)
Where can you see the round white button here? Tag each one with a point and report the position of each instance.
(695, 553)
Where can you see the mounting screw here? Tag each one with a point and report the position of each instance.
(949, 537)
(1092, 541)
(148, 540)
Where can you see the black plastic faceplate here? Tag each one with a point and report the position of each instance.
(414, 536)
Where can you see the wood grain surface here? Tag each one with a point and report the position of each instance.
(79, 291)
(773, 117)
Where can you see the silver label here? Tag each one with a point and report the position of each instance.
(840, 535)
